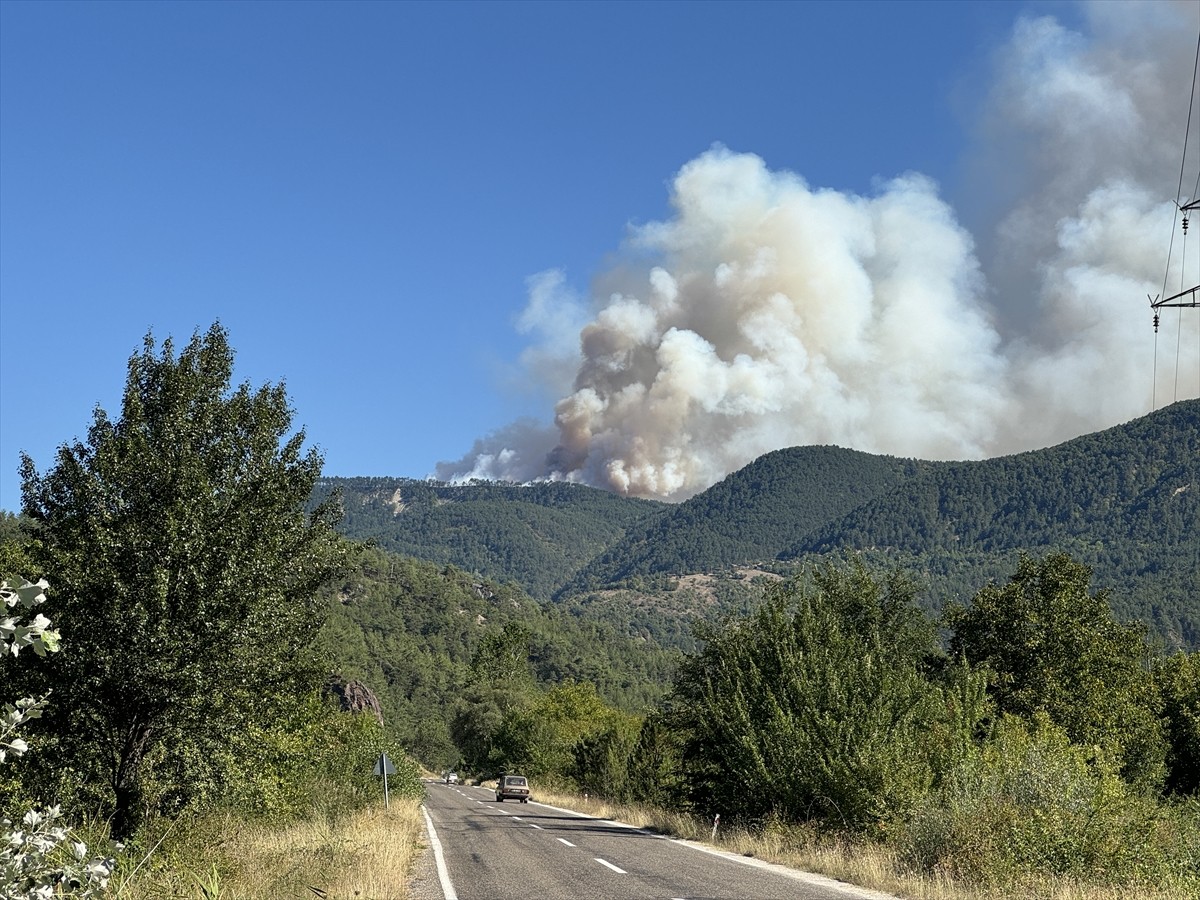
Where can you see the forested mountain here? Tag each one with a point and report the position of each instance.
(410, 630)
(1137, 483)
(536, 535)
(752, 515)
(1126, 501)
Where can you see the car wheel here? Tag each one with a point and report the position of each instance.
(499, 799)
(524, 800)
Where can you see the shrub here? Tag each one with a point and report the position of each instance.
(39, 858)
(1029, 802)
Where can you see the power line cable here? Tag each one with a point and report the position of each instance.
(1171, 244)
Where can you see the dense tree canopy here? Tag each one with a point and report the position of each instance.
(816, 704)
(537, 535)
(186, 567)
(1053, 647)
(1178, 679)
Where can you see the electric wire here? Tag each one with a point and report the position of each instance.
(1188, 129)
(1171, 244)
(1187, 133)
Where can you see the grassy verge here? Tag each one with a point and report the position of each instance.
(869, 865)
(363, 855)
(369, 854)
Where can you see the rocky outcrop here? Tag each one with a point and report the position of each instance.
(353, 696)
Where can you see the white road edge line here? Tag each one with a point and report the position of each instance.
(850, 890)
(605, 862)
(443, 872)
(565, 841)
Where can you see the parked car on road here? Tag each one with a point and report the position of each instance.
(512, 787)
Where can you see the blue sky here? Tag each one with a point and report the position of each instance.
(411, 212)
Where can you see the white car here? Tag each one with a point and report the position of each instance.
(451, 778)
(512, 787)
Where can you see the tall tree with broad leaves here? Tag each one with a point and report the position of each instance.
(186, 568)
(1052, 646)
(1178, 679)
(818, 704)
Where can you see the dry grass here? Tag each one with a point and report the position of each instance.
(366, 855)
(369, 855)
(867, 865)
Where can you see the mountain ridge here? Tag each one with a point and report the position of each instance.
(1124, 500)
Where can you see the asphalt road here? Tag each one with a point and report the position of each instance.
(530, 851)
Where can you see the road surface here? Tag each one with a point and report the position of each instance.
(530, 851)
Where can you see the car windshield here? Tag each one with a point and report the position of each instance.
(515, 781)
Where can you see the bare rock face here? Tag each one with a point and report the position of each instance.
(353, 696)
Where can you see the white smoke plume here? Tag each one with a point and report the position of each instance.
(778, 314)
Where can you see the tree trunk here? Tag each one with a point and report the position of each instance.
(127, 784)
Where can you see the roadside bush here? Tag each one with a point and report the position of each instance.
(1029, 802)
(40, 856)
(320, 759)
(314, 770)
(656, 766)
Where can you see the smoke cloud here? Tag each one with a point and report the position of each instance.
(774, 313)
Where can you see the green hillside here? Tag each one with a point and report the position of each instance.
(1138, 483)
(754, 514)
(535, 535)
(409, 629)
(1125, 501)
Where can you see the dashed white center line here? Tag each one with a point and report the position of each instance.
(605, 862)
(565, 841)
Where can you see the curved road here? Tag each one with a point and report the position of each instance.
(530, 851)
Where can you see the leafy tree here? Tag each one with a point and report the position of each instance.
(502, 660)
(546, 738)
(187, 567)
(655, 768)
(10, 528)
(15, 543)
(601, 764)
(1178, 678)
(497, 695)
(1054, 648)
(815, 705)
(476, 723)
